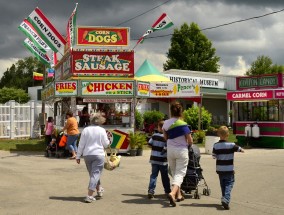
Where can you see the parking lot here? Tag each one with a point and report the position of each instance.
(33, 184)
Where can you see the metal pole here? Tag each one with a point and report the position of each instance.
(43, 103)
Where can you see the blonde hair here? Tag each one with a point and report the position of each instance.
(97, 118)
(223, 132)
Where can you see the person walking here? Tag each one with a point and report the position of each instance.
(158, 162)
(91, 146)
(177, 134)
(223, 152)
(72, 133)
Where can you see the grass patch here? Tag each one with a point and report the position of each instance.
(22, 145)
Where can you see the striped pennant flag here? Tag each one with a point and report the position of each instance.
(37, 53)
(47, 31)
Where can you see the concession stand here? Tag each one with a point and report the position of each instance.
(258, 109)
(93, 77)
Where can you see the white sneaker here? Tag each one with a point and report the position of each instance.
(90, 199)
(100, 192)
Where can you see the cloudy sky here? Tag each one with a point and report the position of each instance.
(237, 45)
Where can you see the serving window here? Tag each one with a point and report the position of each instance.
(259, 111)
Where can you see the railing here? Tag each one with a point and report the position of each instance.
(20, 120)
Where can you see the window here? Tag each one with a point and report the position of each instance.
(259, 111)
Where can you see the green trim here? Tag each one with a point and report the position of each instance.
(262, 142)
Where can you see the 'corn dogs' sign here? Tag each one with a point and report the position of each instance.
(102, 36)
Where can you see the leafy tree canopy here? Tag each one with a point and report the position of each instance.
(19, 95)
(20, 74)
(264, 65)
(191, 50)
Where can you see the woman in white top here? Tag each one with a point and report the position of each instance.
(92, 143)
(178, 137)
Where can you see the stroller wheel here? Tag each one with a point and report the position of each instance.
(205, 192)
(208, 192)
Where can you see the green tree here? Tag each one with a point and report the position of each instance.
(264, 65)
(20, 74)
(19, 95)
(191, 50)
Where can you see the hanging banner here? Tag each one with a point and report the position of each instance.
(103, 36)
(47, 31)
(103, 63)
(66, 88)
(31, 33)
(107, 88)
(37, 53)
(173, 90)
(143, 89)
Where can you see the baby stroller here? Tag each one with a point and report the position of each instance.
(61, 150)
(51, 148)
(194, 178)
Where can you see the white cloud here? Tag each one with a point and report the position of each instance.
(239, 68)
(6, 64)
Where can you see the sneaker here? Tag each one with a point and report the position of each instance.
(225, 205)
(90, 199)
(150, 195)
(100, 192)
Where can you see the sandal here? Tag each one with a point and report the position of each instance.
(172, 201)
(73, 157)
(180, 199)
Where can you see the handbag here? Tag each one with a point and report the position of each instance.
(112, 162)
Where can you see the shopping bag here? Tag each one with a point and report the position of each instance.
(63, 141)
(112, 162)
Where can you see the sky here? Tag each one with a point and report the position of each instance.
(237, 45)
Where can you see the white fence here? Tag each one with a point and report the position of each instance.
(21, 120)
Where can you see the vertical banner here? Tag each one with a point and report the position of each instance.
(71, 27)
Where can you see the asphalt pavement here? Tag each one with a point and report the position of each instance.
(33, 184)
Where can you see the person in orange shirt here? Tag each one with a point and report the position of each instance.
(72, 133)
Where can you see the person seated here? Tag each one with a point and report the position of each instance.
(84, 118)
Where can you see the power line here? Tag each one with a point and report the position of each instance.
(229, 23)
(143, 13)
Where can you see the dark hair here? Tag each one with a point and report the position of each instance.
(69, 113)
(49, 119)
(176, 109)
(160, 124)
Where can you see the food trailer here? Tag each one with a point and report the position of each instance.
(93, 77)
(258, 109)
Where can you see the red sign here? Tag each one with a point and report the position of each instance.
(102, 36)
(250, 95)
(103, 63)
(279, 94)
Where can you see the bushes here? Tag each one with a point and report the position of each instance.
(138, 120)
(154, 116)
(191, 117)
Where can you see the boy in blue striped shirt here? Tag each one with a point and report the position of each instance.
(224, 151)
(159, 162)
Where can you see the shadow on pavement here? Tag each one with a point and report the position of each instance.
(68, 198)
(218, 207)
(143, 199)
